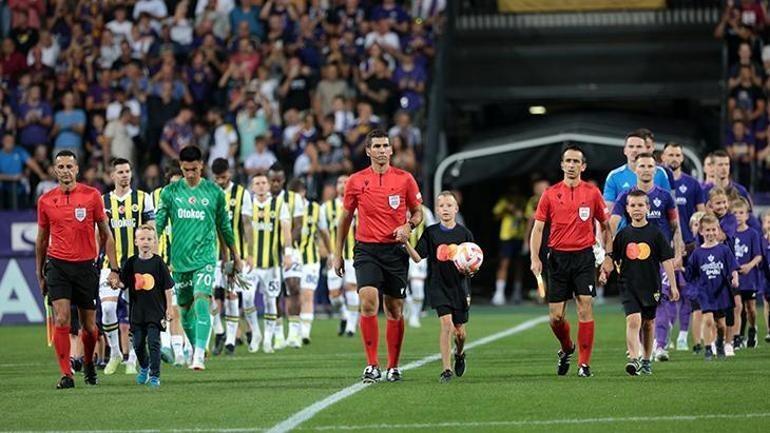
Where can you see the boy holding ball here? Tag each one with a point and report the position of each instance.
(447, 288)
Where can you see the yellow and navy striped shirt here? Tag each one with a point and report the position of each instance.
(293, 203)
(238, 202)
(125, 215)
(332, 210)
(308, 245)
(266, 224)
(427, 220)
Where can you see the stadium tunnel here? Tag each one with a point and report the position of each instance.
(488, 167)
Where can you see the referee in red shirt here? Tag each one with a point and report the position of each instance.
(382, 195)
(571, 207)
(65, 251)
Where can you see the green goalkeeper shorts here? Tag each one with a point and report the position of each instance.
(189, 284)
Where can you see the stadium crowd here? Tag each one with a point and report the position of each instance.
(252, 81)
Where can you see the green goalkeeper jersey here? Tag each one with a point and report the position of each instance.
(196, 214)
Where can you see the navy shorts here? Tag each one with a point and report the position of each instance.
(511, 248)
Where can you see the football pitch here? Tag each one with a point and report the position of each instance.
(510, 385)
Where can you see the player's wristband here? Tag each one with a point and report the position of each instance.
(116, 270)
(609, 254)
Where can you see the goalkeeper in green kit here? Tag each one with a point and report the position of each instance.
(196, 209)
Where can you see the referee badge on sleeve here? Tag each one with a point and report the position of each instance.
(584, 213)
(394, 201)
(80, 214)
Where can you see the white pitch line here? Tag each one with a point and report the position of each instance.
(542, 422)
(309, 412)
(522, 423)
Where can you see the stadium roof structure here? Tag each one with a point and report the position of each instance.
(536, 147)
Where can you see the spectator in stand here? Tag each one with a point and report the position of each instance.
(118, 143)
(96, 141)
(397, 16)
(100, 94)
(410, 135)
(384, 37)
(378, 90)
(160, 110)
(12, 62)
(742, 152)
(49, 49)
(261, 159)
(249, 14)
(252, 121)
(177, 134)
(24, 36)
(356, 136)
(295, 90)
(733, 31)
(120, 26)
(7, 116)
(747, 96)
(69, 126)
(225, 143)
(745, 60)
(34, 120)
(14, 160)
(344, 119)
(411, 79)
(330, 87)
(404, 157)
(154, 8)
(331, 161)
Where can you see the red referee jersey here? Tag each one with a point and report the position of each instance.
(382, 201)
(71, 218)
(571, 212)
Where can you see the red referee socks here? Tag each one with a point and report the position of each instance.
(61, 342)
(370, 334)
(585, 341)
(561, 331)
(89, 340)
(394, 334)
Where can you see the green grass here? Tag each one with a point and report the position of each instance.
(509, 383)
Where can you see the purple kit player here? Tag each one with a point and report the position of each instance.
(712, 269)
(720, 163)
(748, 253)
(690, 198)
(663, 214)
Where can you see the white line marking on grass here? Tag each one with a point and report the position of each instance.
(543, 422)
(305, 414)
(522, 423)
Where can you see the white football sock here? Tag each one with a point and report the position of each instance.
(216, 322)
(418, 294)
(352, 300)
(500, 287)
(231, 319)
(177, 344)
(306, 320)
(250, 311)
(165, 340)
(110, 325)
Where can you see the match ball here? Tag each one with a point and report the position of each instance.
(468, 258)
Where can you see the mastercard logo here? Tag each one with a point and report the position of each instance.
(144, 282)
(640, 251)
(446, 252)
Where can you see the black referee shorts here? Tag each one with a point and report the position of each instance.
(76, 281)
(384, 266)
(571, 273)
